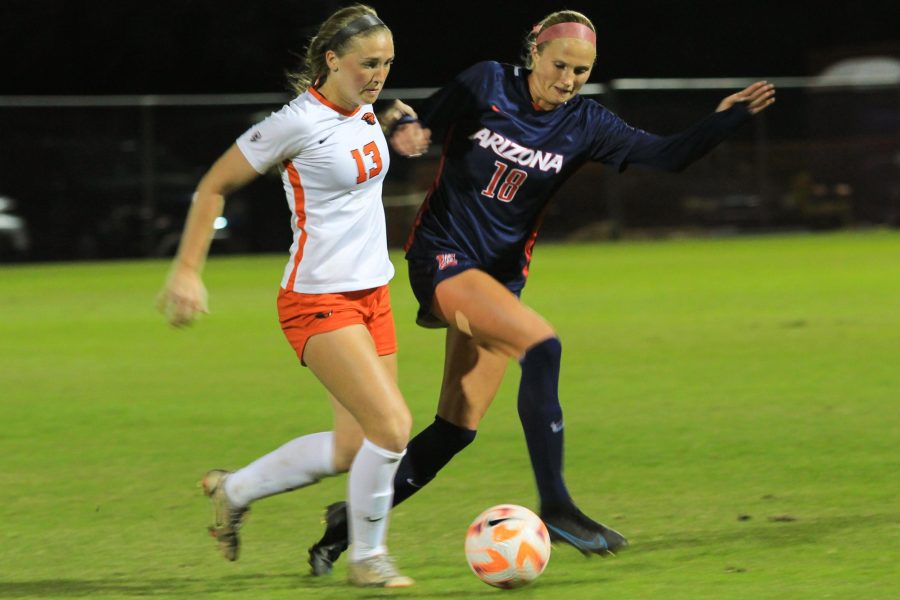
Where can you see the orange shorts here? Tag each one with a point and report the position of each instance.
(304, 315)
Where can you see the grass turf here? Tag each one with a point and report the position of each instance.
(731, 406)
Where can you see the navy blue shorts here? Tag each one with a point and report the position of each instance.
(426, 274)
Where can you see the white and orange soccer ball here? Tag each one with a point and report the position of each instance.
(507, 546)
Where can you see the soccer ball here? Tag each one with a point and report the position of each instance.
(507, 546)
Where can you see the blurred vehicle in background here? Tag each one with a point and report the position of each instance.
(127, 226)
(14, 240)
(110, 181)
(95, 203)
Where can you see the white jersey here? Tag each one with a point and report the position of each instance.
(332, 165)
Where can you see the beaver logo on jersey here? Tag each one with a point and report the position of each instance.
(369, 118)
(515, 153)
(445, 260)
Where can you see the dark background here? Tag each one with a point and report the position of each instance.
(206, 46)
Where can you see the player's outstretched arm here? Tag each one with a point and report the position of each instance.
(758, 96)
(184, 296)
(675, 152)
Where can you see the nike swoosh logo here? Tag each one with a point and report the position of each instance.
(371, 520)
(597, 542)
(495, 522)
(326, 137)
(413, 483)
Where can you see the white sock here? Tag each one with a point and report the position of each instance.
(371, 491)
(298, 463)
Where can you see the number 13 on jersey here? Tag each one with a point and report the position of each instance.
(507, 191)
(370, 150)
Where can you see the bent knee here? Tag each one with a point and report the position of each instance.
(392, 433)
(522, 337)
(538, 335)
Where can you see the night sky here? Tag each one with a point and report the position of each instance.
(205, 46)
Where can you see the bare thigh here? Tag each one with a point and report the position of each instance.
(477, 304)
(347, 364)
(488, 325)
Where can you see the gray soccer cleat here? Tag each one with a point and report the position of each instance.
(377, 571)
(227, 518)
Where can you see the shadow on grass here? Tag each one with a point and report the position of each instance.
(480, 590)
(804, 530)
(253, 584)
(136, 586)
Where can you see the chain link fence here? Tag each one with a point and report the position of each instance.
(112, 177)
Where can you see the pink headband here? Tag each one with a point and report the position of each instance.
(567, 30)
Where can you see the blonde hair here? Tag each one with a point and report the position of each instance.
(561, 16)
(313, 70)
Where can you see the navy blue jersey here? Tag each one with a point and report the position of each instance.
(503, 159)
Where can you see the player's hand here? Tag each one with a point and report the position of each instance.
(408, 139)
(758, 97)
(389, 116)
(183, 297)
(411, 139)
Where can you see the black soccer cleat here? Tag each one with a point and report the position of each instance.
(334, 541)
(571, 526)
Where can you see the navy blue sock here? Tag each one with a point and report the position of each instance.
(542, 421)
(428, 453)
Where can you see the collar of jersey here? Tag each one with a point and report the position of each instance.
(522, 87)
(347, 113)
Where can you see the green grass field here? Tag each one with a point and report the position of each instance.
(732, 406)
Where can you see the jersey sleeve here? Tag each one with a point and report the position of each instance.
(621, 145)
(614, 138)
(458, 97)
(279, 136)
